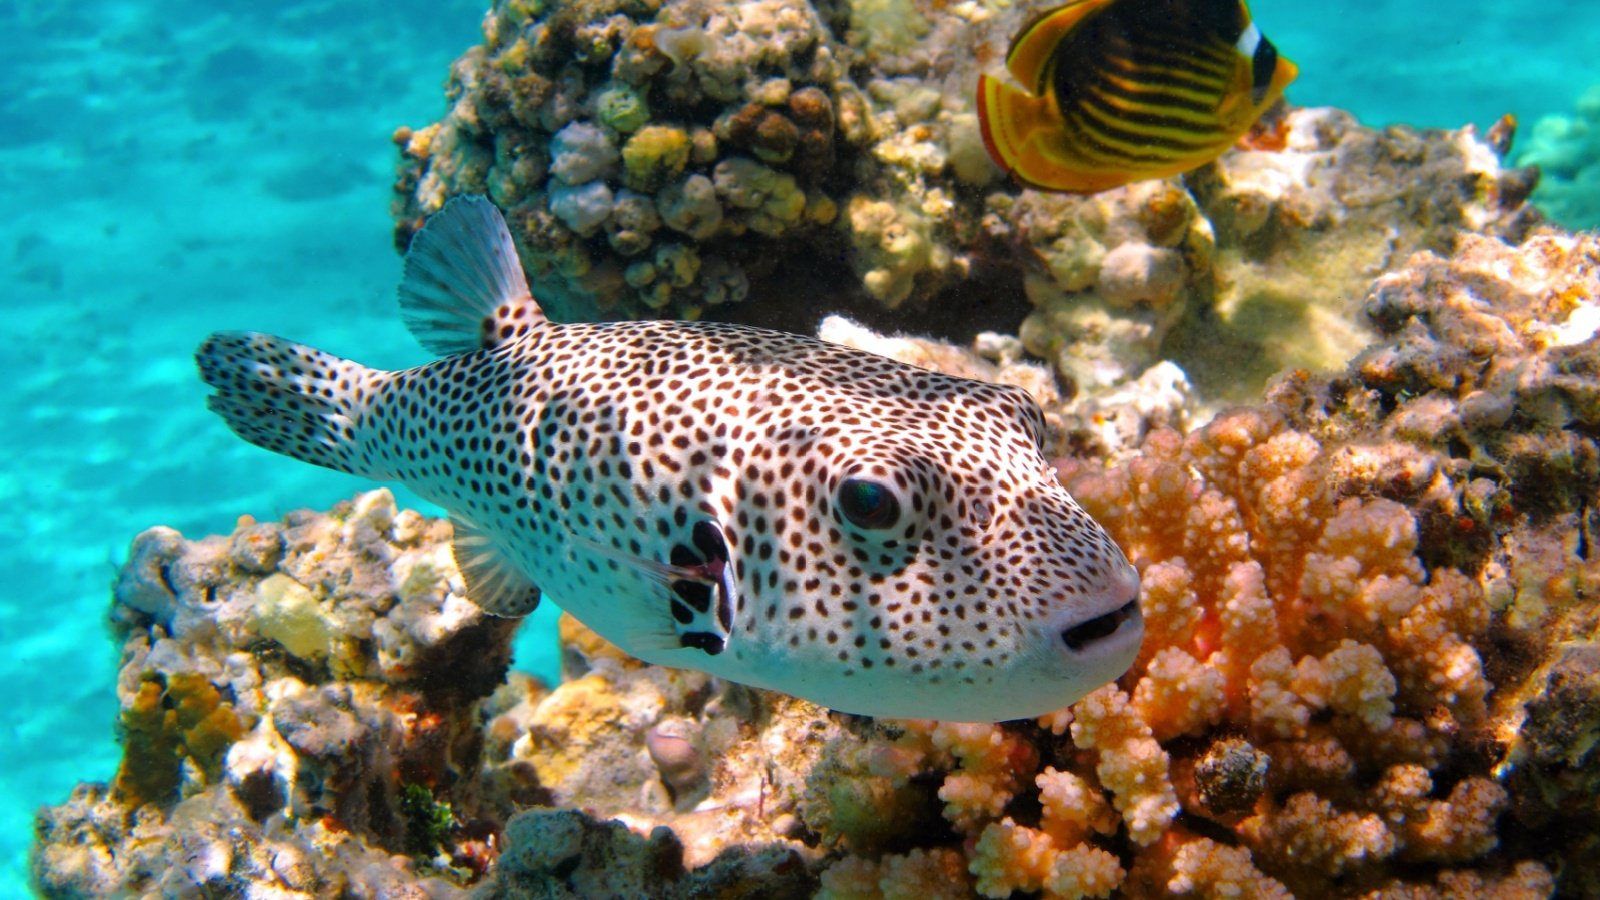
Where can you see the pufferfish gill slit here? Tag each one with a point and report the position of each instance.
(765, 507)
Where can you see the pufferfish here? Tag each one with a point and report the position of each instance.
(1125, 90)
(767, 508)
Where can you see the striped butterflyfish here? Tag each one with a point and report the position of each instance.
(1119, 91)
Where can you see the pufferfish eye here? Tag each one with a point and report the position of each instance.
(869, 505)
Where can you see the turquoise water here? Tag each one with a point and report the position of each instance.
(167, 169)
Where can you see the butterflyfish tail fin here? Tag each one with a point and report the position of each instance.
(1012, 122)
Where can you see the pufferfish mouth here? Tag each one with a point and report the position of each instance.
(1100, 627)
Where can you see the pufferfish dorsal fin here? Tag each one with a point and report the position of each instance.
(463, 287)
(493, 582)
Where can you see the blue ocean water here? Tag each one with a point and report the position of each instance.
(167, 169)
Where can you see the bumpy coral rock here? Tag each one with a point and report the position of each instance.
(675, 158)
(279, 687)
(1566, 149)
(687, 134)
(1212, 271)
(567, 853)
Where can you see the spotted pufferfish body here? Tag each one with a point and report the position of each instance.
(769, 508)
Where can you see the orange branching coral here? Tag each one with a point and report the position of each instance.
(1358, 684)
(852, 878)
(1456, 828)
(936, 874)
(1010, 857)
(1172, 610)
(1179, 695)
(1072, 808)
(1290, 605)
(1204, 868)
(1310, 833)
(1527, 881)
(1131, 764)
(994, 763)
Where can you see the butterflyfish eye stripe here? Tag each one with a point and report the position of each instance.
(1264, 63)
(1248, 41)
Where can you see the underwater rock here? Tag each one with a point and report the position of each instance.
(746, 96)
(1211, 272)
(292, 680)
(1566, 151)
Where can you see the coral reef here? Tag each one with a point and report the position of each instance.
(1368, 671)
(647, 154)
(295, 696)
(675, 158)
(1281, 237)
(1370, 664)
(1566, 149)
(311, 708)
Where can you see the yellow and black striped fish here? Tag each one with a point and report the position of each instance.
(1124, 90)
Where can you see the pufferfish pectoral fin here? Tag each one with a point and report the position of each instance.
(493, 582)
(464, 288)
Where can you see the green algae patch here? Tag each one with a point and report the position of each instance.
(428, 821)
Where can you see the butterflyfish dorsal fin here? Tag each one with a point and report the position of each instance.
(1028, 60)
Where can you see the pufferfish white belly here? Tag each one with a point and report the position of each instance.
(765, 507)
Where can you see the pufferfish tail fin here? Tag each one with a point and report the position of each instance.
(290, 398)
(464, 288)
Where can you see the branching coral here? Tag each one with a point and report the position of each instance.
(1324, 577)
